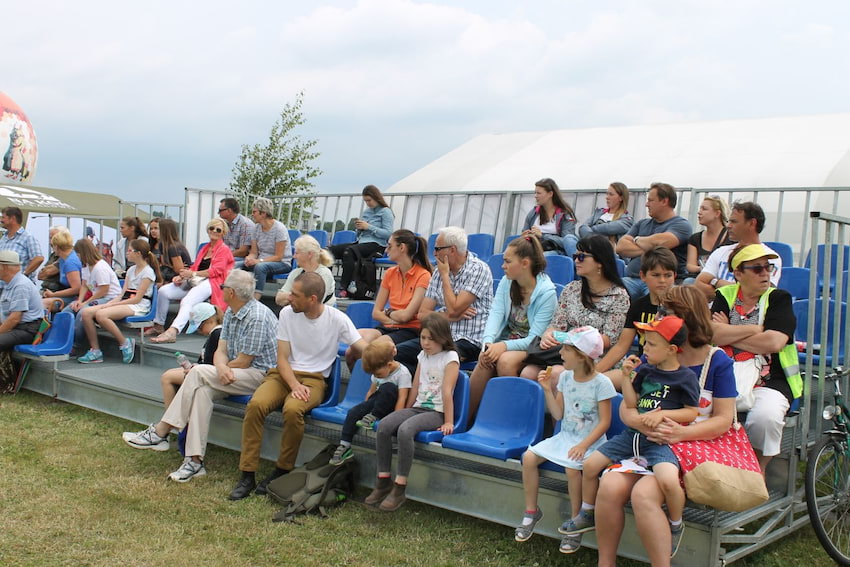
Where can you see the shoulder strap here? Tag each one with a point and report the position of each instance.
(705, 366)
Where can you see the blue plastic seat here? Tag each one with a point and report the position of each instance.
(343, 237)
(461, 411)
(509, 419)
(57, 341)
(796, 282)
(621, 267)
(481, 244)
(801, 312)
(360, 314)
(559, 289)
(293, 236)
(468, 365)
(201, 245)
(786, 253)
(321, 237)
(508, 240)
(140, 322)
(432, 241)
(821, 251)
(495, 262)
(560, 269)
(358, 384)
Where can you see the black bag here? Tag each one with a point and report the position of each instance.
(543, 357)
(313, 487)
(8, 372)
(365, 277)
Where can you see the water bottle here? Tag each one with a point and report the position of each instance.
(183, 361)
(352, 288)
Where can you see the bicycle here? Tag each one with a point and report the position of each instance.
(828, 479)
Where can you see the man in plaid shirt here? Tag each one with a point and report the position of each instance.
(241, 230)
(20, 241)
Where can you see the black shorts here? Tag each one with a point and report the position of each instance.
(398, 335)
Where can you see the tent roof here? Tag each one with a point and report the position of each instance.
(803, 151)
(59, 201)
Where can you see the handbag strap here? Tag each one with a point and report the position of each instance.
(704, 374)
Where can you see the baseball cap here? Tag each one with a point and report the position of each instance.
(10, 257)
(670, 327)
(586, 339)
(200, 313)
(752, 252)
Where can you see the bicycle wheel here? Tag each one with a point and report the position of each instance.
(828, 496)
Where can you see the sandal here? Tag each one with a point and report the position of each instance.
(166, 337)
(524, 531)
(156, 329)
(570, 543)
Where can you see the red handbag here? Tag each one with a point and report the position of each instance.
(722, 472)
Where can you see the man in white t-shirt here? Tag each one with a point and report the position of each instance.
(746, 222)
(308, 338)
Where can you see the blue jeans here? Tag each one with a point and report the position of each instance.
(265, 269)
(635, 287)
(570, 241)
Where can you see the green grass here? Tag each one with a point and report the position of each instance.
(74, 494)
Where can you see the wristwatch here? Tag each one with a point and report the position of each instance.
(713, 282)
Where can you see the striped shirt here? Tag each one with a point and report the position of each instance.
(251, 330)
(241, 233)
(475, 277)
(26, 245)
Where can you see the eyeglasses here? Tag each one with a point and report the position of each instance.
(224, 287)
(757, 270)
(438, 248)
(581, 256)
(214, 229)
(224, 209)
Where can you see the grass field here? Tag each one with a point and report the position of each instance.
(74, 494)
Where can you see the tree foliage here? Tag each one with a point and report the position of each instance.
(284, 166)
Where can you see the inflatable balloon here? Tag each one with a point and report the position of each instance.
(17, 142)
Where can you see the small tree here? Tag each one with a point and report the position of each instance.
(282, 167)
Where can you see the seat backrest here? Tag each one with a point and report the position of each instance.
(201, 245)
(358, 384)
(461, 402)
(508, 240)
(60, 335)
(821, 252)
(293, 236)
(343, 237)
(321, 237)
(621, 267)
(150, 314)
(559, 289)
(481, 244)
(617, 426)
(511, 407)
(560, 268)
(801, 312)
(495, 263)
(795, 281)
(360, 314)
(333, 381)
(786, 253)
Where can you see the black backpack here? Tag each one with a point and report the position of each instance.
(313, 487)
(364, 278)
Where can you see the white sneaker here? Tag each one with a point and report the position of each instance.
(147, 439)
(188, 470)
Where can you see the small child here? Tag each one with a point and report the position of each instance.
(661, 388)
(584, 421)
(391, 383)
(429, 406)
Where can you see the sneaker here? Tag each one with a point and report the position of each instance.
(584, 522)
(187, 471)
(341, 455)
(524, 531)
(91, 357)
(570, 543)
(677, 538)
(147, 439)
(128, 351)
(367, 421)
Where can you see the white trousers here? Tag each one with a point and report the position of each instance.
(188, 299)
(766, 420)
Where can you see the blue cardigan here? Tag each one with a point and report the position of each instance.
(540, 310)
(380, 229)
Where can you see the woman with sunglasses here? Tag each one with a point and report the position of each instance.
(713, 215)
(753, 319)
(195, 284)
(552, 220)
(597, 299)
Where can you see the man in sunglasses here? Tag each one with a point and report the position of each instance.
(746, 222)
(241, 229)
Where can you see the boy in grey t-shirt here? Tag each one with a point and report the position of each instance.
(391, 382)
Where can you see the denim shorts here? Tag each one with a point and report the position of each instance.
(622, 447)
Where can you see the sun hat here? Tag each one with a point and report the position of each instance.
(586, 339)
(10, 257)
(200, 313)
(752, 252)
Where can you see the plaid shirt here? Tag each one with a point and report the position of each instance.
(475, 277)
(251, 330)
(25, 245)
(241, 232)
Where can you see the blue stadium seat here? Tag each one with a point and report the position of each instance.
(821, 250)
(360, 313)
(201, 245)
(481, 244)
(468, 365)
(55, 346)
(293, 236)
(786, 253)
(355, 393)
(801, 312)
(432, 241)
(343, 237)
(509, 419)
(560, 269)
(508, 240)
(796, 282)
(559, 289)
(321, 237)
(461, 411)
(621, 267)
(333, 381)
(495, 263)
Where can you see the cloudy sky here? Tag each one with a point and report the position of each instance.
(143, 99)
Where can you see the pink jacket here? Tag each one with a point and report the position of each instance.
(221, 262)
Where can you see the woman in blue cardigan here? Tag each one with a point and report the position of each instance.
(374, 228)
(522, 308)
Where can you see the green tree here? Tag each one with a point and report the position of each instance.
(284, 166)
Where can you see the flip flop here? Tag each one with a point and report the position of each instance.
(165, 337)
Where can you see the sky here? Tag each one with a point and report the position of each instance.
(143, 99)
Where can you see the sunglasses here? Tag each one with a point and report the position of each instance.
(214, 229)
(757, 270)
(222, 210)
(223, 287)
(581, 256)
(438, 248)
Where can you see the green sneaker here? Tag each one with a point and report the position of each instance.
(341, 455)
(367, 422)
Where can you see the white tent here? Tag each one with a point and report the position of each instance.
(803, 151)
